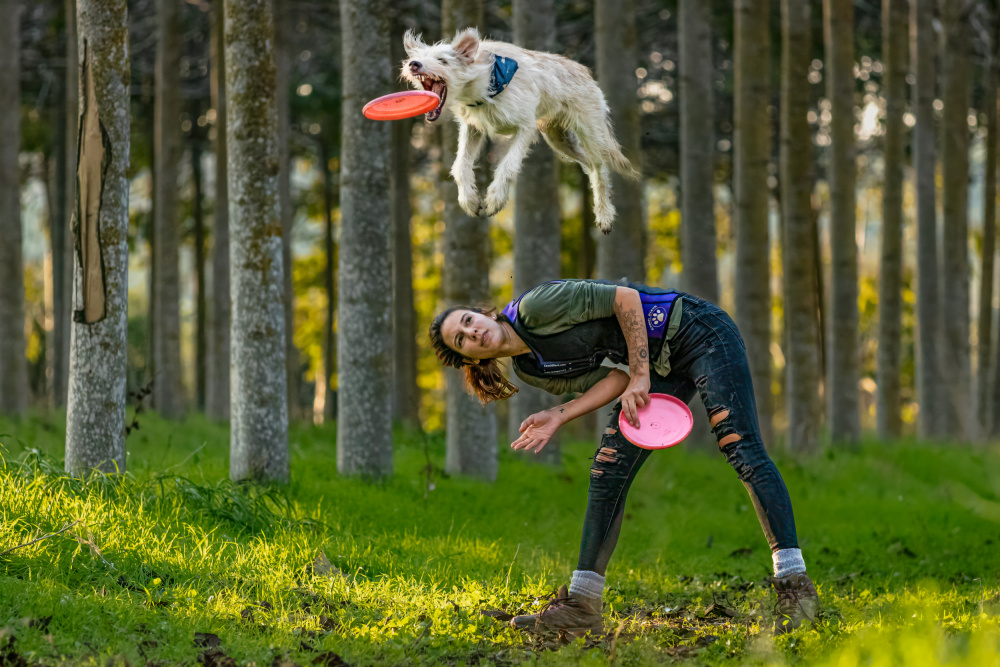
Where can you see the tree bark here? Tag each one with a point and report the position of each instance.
(802, 367)
(622, 253)
(364, 291)
(471, 439)
(890, 298)
(61, 233)
(922, 42)
(217, 402)
(986, 348)
(330, 280)
(13, 363)
(168, 389)
(752, 152)
(843, 363)
(537, 228)
(697, 110)
(956, 91)
(95, 419)
(259, 434)
(284, 69)
(406, 394)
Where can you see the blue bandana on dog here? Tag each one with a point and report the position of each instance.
(500, 77)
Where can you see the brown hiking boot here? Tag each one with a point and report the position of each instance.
(797, 601)
(566, 613)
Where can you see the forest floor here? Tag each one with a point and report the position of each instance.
(174, 564)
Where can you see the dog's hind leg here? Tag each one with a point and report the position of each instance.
(600, 184)
(562, 141)
(470, 143)
(506, 171)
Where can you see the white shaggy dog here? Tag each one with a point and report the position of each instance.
(495, 88)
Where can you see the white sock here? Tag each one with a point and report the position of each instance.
(586, 584)
(788, 561)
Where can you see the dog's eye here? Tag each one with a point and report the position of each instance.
(442, 61)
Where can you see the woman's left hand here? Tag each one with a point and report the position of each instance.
(537, 430)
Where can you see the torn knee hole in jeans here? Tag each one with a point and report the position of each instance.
(723, 428)
(729, 439)
(610, 431)
(606, 455)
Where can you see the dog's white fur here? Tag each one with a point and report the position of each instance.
(548, 92)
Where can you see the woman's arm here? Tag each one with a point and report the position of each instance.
(539, 428)
(628, 310)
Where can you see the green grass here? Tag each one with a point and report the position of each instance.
(901, 539)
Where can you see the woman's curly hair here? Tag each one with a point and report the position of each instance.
(484, 377)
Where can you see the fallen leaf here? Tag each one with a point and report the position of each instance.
(497, 614)
(206, 640)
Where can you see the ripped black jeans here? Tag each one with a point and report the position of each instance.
(707, 356)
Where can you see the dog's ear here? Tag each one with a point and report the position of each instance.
(411, 41)
(466, 44)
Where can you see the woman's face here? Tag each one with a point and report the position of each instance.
(473, 334)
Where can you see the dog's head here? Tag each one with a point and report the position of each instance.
(438, 67)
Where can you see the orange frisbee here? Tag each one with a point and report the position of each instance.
(397, 106)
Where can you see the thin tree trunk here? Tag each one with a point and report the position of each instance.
(62, 241)
(471, 440)
(218, 379)
(259, 434)
(802, 363)
(200, 351)
(697, 110)
(95, 419)
(168, 390)
(537, 232)
(843, 363)
(752, 152)
(284, 69)
(13, 363)
(890, 299)
(955, 65)
(985, 350)
(330, 280)
(406, 394)
(364, 290)
(621, 254)
(923, 48)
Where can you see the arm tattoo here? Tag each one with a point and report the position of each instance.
(635, 338)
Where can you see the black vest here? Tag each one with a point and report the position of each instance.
(583, 347)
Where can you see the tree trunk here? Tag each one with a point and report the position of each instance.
(61, 234)
(537, 228)
(13, 363)
(364, 290)
(843, 358)
(330, 280)
(955, 93)
(802, 363)
(471, 439)
(922, 41)
(752, 152)
(200, 351)
(985, 350)
(168, 389)
(217, 401)
(406, 394)
(259, 434)
(890, 297)
(623, 252)
(95, 420)
(697, 110)
(284, 68)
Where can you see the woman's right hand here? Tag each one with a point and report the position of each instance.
(537, 430)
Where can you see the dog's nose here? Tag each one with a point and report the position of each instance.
(415, 66)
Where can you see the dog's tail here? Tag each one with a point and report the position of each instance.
(620, 164)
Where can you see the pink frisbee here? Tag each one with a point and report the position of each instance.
(664, 422)
(397, 106)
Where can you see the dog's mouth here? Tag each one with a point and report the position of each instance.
(439, 88)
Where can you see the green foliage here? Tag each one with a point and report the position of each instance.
(899, 538)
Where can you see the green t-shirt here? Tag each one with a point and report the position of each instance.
(554, 307)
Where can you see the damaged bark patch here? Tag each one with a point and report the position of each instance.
(94, 156)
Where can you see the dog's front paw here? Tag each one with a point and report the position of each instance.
(469, 201)
(493, 203)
